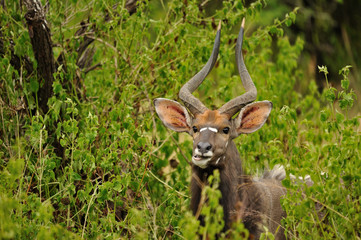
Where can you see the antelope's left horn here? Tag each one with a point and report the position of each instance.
(194, 105)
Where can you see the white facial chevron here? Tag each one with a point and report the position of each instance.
(208, 128)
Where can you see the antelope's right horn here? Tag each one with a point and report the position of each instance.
(236, 104)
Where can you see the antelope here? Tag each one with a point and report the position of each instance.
(213, 132)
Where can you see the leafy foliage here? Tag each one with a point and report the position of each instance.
(117, 172)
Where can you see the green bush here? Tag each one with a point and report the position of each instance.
(100, 165)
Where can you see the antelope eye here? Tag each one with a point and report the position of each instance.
(195, 129)
(226, 130)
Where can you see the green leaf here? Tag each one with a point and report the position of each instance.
(57, 87)
(323, 69)
(345, 71)
(339, 117)
(292, 16)
(324, 115)
(273, 29)
(345, 83)
(330, 94)
(288, 22)
(75, 176)
(34, 85)
(346, 101)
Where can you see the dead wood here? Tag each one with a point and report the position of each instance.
(40, 37)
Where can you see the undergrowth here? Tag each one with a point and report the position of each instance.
(100, 165)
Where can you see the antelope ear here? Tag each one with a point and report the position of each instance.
(173, 115)
(253, 116)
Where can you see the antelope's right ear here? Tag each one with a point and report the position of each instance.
(173, 115)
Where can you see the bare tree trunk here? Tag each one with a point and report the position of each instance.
(39, 33)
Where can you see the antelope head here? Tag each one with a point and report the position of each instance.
(212, 130)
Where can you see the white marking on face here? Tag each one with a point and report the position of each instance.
(207, 154)
(208, 128)
(213, 129)
(201, 160)
(201, 163)
(218, 160)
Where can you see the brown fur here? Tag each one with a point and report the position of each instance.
(211, 118)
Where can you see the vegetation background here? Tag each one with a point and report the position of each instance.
(82, 154)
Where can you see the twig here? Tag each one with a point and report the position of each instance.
(92, 67)
(161, 145)
(165, 184)
(87, 211)
(331, 209)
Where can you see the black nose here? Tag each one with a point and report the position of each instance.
(204, 147)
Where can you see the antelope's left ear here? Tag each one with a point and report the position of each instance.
(253, 116)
